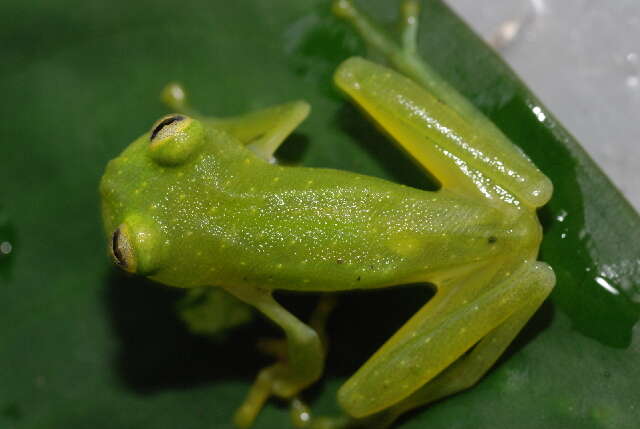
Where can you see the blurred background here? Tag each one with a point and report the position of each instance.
(582, 59)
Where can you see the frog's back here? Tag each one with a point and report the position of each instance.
(228, 218)
(320, 229)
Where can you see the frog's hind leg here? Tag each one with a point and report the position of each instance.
(403, 54)
(439, 127)
(425, 360)
(471, 367)
(465, 160)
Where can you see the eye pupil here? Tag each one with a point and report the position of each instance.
(164, 123)
(117, 252)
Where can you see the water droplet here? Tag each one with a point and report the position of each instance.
(537, 110)
(606, 285)
(5, 247)
(562, 215)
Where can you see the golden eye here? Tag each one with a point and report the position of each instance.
(138, 245)
(174, 138)
(165, 122)
(122, 250)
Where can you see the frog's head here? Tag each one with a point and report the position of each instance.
(139, 190)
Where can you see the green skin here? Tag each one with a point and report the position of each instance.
(199, 202)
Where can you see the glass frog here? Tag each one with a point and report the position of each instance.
(200, 202)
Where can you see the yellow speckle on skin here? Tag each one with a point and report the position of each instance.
(243, 263)
(247, 160)
(198, 253)
(276, 179)
(180, 174)
(183, 196)
(189, 233)
(310, 182)
(405, 246)
(279, 266)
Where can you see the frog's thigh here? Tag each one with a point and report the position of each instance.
(305, 357)
(467, 370)
(465, 158)
(417, 357)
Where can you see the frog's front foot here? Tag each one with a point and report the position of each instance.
(277, 380)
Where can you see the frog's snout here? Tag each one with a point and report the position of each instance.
(174, 138)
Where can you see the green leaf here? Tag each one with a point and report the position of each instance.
(81, 345)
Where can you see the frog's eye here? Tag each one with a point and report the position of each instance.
(164, 123)
(174, 138)
(122, 250)
(137, 245)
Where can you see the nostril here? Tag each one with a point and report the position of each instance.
(164, 123)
